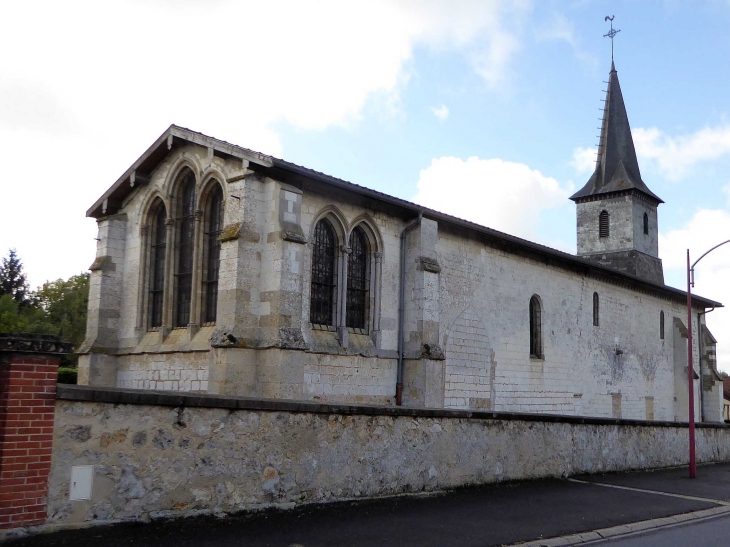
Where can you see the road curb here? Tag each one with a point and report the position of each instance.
(623, 530)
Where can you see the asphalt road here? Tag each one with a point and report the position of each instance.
(710, 533)
(474, 517)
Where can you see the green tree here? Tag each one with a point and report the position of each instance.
(29, 318)
(13, 280)
(65, 303)
(58, 307)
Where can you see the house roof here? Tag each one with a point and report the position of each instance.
(139, 173)
(617, 168)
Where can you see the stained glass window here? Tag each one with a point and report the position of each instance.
(214, 225)
(184, 250)
(157, 267)
(324, 275)
(358, 280)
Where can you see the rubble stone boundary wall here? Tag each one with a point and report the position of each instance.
(161, 454)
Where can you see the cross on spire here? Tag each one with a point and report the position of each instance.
(611, 33)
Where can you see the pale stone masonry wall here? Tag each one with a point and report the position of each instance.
(177, 458)
(175, 372)
(580, 369)
(626, 214)
(466, 321)
(627, 248)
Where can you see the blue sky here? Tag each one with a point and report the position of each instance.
(484, 109)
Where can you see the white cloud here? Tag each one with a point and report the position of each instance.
(441, 112)
(674, 156)
(707, 228)
(560, 27)
(499, 194)
(584, 160)
(91, 84)
(726, 189)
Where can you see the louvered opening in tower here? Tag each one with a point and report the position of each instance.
(603, 224)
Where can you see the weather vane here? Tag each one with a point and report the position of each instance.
(611, 33)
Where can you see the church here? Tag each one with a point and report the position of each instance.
(225, 271)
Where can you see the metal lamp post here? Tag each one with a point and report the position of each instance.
(690, 365)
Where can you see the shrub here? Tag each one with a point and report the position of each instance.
(67, 375)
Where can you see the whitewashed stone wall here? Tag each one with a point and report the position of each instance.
(356, 379)
(580, 372)
(155, 461)
(469, 364)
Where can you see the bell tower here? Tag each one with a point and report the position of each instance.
(617, 213)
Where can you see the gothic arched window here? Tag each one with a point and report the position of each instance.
(535, 328)
(646, 223)
(661, 325)
(213, 227)
(358, 280)
(603, 224)
(595, 309)
(324, 275)
(157, 267)
(184, 249)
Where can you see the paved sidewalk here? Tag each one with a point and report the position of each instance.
(491, 515)
(712, 481)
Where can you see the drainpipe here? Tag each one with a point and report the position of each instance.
(402, 308)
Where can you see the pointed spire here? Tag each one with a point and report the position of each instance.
(617, 168)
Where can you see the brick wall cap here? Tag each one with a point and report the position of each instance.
(24, 342)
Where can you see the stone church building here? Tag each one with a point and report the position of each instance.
(226, 271)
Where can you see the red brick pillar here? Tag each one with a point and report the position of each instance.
(28, 372)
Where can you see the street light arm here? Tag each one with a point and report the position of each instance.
(708, 252)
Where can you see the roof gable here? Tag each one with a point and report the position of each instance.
(139, 173)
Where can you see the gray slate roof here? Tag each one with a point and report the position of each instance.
(110, 203)
(617, 168)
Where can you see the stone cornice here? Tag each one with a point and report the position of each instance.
(22, 342)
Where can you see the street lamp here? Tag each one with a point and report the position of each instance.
(690, 366)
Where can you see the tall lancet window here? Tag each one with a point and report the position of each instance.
(604, 227)
(358, 280)
(184, 249)
(646, 223)
(157, 267)
(535, 328)
(214, 225)
(595, 309)
(324, 275)
(661, 325)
